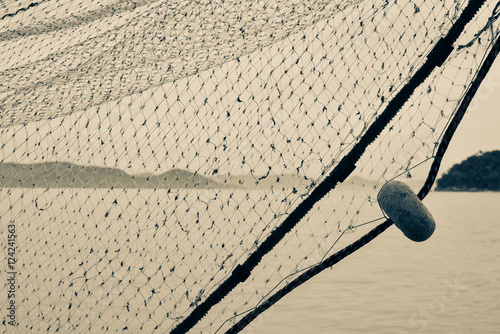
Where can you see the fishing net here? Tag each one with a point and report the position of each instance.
(150, 148)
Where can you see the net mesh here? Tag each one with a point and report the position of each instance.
(147, 148)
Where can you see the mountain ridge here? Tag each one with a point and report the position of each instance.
(70, 175)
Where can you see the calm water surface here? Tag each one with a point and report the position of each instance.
(448, 284)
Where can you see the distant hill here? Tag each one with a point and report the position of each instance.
(480, 172)
(68, 175)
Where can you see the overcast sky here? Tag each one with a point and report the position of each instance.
(480, 129)
(116, 137)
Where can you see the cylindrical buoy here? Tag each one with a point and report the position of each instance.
(406, 210)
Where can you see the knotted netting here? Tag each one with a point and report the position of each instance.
(148, 149)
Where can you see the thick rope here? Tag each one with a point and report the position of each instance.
(436, 57)
(448, 134)
(452, 127)
(310, 273)
(31, 5)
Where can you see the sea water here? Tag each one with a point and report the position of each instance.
(447, 284)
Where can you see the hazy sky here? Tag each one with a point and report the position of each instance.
(480, 129)
(119, 136)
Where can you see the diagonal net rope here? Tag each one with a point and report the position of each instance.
(436, 57)
(340, 255)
